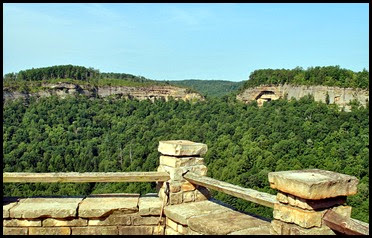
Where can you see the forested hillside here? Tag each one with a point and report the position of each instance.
(209, 88)
(327, 76)
(245, 142)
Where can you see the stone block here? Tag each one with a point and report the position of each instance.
(49, 231)
(313, 184)
(283, 228)
(18, 222)
(158, 230)
(15, 231)
(175, 186)
(63, 222)
(262, 230)
(6, 209)
(95, 230)
(183, 229)
(177, 162)
(126, 203)
(187, 186)
(188, 196)
(148, 220)
(182, 148)
(172, 224)
(112, 220)
(303, 218)
(343, 210)
(182, 212)
(191, 232)
(309, 204)
(175, 174)
(175, 198)
(149, 205)
(135, 230)
(45, 207)
(170, 231)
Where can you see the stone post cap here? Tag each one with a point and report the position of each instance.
(182, 148)
(313, 184)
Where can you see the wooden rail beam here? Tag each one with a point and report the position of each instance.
(251, 195)
(345, 225)
(73, 177)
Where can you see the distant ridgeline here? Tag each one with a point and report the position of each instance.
(66, 80)
(329, 84)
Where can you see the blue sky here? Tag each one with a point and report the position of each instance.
(185, 41)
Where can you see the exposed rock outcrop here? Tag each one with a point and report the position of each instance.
(140, 93)
(339, 96)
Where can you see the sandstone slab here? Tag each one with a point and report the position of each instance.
(108, 203)
(170, 231)
(21, 222)
(283, 228)
(303, 218)
(135, 230)
(148, 220)
(182, 212)
(59, 222)
(177, 162)
(313, 184)
(15, 231)
(49, 231)
(188, 196)
(172, 224)
(59, 207)
(310, 204)
(225, 222)
(6, 208)
(262, 230)
(149, 204)
(182, 148)
(98, 230)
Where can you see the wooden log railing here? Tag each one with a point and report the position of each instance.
(74, 177)
(348, 226)
(251, 195)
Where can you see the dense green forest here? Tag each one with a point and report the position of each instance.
(209, 88)
(327, 76)
(245, 142)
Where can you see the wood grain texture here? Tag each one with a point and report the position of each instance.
(345, 225)
(251, 195)
(74, 177)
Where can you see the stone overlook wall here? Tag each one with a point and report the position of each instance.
(103, 214)
(140, 93)
(339, 96)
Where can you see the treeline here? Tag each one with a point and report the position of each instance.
(68, 72)
(245, 142)
(327, 76)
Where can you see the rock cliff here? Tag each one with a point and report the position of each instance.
(339, 96)
(140, 93)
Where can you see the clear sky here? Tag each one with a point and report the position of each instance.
(166, 41)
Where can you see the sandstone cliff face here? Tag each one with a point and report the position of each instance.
(339, 96)
(141, 93)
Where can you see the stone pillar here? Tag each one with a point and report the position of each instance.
(177, 158)
(304, 197)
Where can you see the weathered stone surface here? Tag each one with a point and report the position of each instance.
(310, 204)
(170, 231)
(202, 194)
(126, 203)
(174, 186)
(183, 229)
(150, 204)
(46, 207)
(283, 228)
(343, 210)
(224, 223)
(262, 230)
(135, 230)
(6, 208)
(313, 184)
(176, 174)
(188, 196)
(15, 231)
(158, 230)
(175, 198)
(172, 224)
(95, 230)
(303, 218)
(112, 220)
(187, 186)
(182, 148)
(177, 162)
(60, 222)
(150, 220)
(182, 212)
(49, 231)
(18, 222)
(191, 232)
